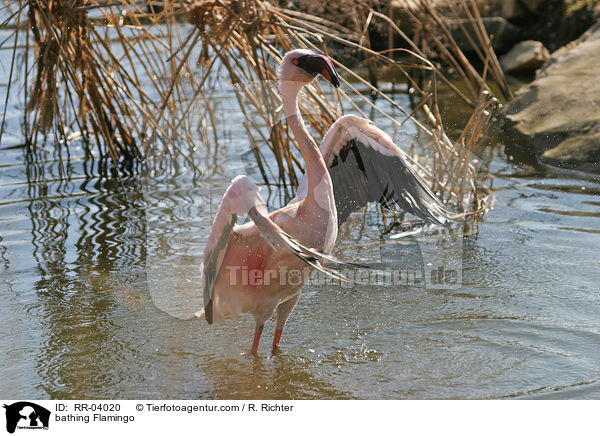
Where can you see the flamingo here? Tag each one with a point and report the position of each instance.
(260, 267)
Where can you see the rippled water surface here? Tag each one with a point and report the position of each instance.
(99, 283)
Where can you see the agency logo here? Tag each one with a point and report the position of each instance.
(26, 415)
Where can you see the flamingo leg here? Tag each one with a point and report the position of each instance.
(284, 310)
(257, 332)
(277, 338)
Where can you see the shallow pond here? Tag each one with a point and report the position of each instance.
(99, 283)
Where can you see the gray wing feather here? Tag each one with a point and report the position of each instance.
(362, 174)
(212, 262)
(278, 238)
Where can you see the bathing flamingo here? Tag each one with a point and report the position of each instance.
(261, 266)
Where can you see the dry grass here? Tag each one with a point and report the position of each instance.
(135, 103)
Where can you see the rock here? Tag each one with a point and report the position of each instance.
(400, 12)
(525, 57)
(581, 152)
(503, 34)
(556, 118)
(512, 10)
(533, 5)
(491, 10)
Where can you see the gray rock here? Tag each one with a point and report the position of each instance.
(525, 57)
(504, 34)
(512, 10)
(401, 12)
(533, 5)
(495, 14)
(557, 117)
(578, 151)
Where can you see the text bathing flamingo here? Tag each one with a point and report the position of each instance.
(260, 267)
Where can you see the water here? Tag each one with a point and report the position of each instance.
(80, 316)
(99, 283)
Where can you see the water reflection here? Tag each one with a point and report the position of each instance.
(78, 228)
(278, 377)
(178, 220)
(100, 285)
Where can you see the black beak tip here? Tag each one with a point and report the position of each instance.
(319, 64)
(335, 81)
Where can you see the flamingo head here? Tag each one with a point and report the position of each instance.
(304, 65)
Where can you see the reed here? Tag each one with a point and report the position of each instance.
(132, 77)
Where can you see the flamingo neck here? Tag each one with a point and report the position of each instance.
(316, 170)
(289, 97)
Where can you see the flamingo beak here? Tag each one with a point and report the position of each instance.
(319, 64)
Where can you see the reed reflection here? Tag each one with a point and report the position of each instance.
(78, 226)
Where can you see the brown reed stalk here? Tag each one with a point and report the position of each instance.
(131, 80)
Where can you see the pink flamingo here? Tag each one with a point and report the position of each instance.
(260, 267)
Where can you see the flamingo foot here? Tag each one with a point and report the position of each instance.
(257, 334)
(276, 339)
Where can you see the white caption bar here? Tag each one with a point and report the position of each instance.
(24, 417)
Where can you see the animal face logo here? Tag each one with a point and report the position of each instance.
(24, 414)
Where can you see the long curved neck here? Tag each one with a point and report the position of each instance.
(316, 170)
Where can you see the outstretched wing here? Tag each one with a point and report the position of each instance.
(241, 198)
(365, 166)
(280, 239)
(213, 255)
